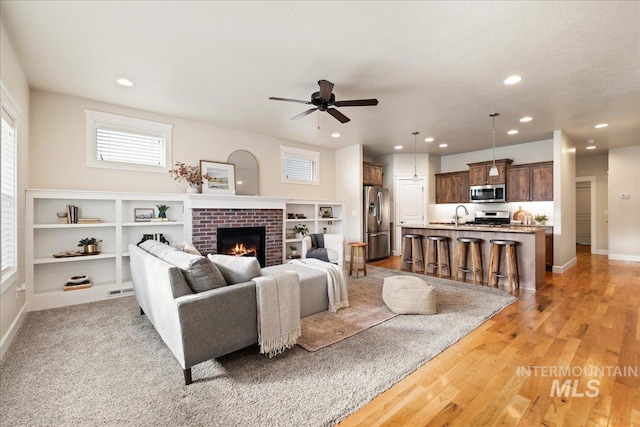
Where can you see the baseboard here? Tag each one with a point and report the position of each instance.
(621, 257)
(601, 252)
(560, 269)
(7, 339)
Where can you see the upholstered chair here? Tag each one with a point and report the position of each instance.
(334, 243)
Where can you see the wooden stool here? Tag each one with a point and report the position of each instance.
(412, 242)
(441, 255)
(461, 259)
(358, 250)
(511, 262)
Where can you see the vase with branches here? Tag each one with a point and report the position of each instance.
(190, 174)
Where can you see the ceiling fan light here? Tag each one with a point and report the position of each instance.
(493, 171)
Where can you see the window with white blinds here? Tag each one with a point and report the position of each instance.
(8, 193)
(299, 166)
(119, 142)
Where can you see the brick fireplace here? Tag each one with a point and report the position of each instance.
(206, 221)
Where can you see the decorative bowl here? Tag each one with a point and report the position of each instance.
(77, 279)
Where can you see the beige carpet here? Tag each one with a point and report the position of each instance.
(366, 309)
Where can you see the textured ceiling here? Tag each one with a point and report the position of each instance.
(435, 67)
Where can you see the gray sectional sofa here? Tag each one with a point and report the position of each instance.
(204, 308)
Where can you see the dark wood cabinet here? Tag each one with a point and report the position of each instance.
(452, 187)
(371, 174)
(548, 244)
(479, 172)
(530, 182)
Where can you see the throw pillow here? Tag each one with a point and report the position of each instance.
(236, 269)
(199, 272)
(190, 249)
(148, 244)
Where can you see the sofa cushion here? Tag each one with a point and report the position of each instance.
(200, 274)
(161, 250)
(236, 269)
(148, 244)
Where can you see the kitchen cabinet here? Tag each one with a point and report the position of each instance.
(371, 174)
(452, 187)
(530, 182)
(479, 172)
(548, 245)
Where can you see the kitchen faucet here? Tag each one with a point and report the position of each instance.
(455, 217)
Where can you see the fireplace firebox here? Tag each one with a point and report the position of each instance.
(242, 241)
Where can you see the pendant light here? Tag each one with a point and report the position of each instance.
(494, 170)
(415, 162)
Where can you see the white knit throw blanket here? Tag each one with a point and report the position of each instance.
(278, 301)
(336, 281)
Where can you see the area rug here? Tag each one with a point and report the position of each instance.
(366, 309)
(104, 364)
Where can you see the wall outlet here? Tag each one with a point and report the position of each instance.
(625, 195)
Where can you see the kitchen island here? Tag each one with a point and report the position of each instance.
(530, 249)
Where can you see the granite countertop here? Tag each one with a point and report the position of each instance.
(525, 229)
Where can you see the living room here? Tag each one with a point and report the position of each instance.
(52, 134)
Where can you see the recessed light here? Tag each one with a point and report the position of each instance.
(591, 141)
(512, 80)
(512, 132)
(335, 135)
(591, 147)
(398, 147)
(602, 125)
(239, 182)
(428, 139)
(124, 82)
(443, 145)
(526, 119)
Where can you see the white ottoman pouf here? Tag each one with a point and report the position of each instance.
(409, 295)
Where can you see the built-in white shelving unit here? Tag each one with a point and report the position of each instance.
(108, 271)
(312, 213)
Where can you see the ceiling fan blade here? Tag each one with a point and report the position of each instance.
(356, 103)
(289, 100)
(338, 115)
(326, 87)
(305, 113)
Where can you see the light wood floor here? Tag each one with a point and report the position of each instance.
(587, 317)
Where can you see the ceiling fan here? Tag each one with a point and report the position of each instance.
(324, 99)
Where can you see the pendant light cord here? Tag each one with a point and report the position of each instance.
(493, 131)
(415, 154)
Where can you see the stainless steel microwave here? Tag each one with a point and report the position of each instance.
(493, 193)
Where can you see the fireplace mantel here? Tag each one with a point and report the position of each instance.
(208, 201)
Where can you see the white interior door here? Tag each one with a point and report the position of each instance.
(410, 206)
(583, 213)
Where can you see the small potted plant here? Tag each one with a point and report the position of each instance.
(162, 211)
(90, 245)
(294, 250)
(541, 219)
(301, 230)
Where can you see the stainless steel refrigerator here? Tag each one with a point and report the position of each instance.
(376, 222)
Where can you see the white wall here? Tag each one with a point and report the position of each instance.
(12, 304)
(58, 152)
(531, 152)
(349, 189)
(624, 214)
(597, 166)
(564, 199)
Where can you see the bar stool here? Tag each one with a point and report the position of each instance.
(511, 263)
(412, 243)
(358, 251)
(441, 255)
(461, 258)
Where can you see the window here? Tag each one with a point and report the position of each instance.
(299, 166)
(8, 190)
(119, 142)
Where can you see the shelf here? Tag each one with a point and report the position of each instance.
(52, 226)
(300, 219)
(52, 260)
(329, 219)
(151, 223)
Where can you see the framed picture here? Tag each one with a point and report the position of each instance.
(326, 212)
(143, 214)
(218, 178)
